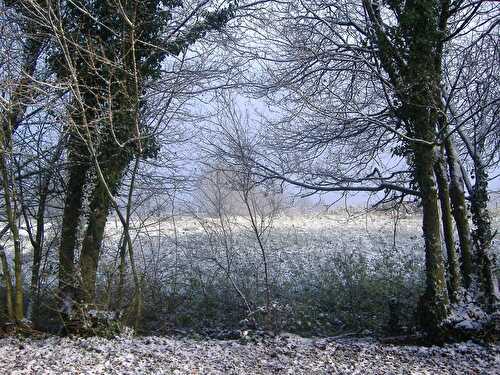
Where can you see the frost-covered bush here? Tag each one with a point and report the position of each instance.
(85, 321)
(347, 292)
(353, 293)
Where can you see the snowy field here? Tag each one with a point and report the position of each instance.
(354, 232)
(285, 354)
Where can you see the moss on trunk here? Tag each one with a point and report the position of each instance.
(436, 294)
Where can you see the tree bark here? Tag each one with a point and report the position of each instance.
(91, 245)
(10, 211)
(100, 205)
(34, 309)
(121, 277)
(78, 167)
(457, 197)
(9, 289)
(454, 280)
(482, 237)
(436, 296)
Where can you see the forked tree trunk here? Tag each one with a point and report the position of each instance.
(415, 73)
(454, 279)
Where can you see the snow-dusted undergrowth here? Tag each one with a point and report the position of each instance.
(320, 267)
(327, 272)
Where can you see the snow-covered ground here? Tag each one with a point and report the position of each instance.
(285, 354)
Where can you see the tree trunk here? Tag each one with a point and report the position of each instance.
(415, 70)
(482, 237)
(34, 285)
(71, 219)
(91, 245)
(459, 206)
(10, 211)
(121, 278)
(113, 167)
(9, 289)
(447, 222)
(258, 236)
(482, 234)
(435, 303)
(125, 240)
(37, 256)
